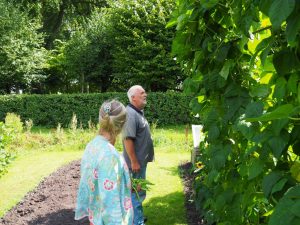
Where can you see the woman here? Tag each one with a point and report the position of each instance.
(104, 193)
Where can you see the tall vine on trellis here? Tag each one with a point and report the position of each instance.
(243, 61)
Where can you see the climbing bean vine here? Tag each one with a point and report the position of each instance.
(243, 61)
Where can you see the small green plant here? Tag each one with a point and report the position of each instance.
(74, 121)
(153, 126)
(139, 184)
(5, 156)
(28, 125)
(91, 125)
(59, 134)
(13, 126)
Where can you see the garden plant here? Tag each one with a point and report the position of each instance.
(243, 61)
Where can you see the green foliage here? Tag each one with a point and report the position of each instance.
(21, 55)
(142, 45)
(9, 132)
(64, 46)
(51, 110)
(59, 17)
(4, 155)
(140, 185)
(70, 63)
(242, 58)
(126, 43)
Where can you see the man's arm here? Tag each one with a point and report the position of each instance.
(129, 146)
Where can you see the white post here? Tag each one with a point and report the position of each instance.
(196, 130)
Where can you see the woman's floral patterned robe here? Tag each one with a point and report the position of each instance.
(104, 193)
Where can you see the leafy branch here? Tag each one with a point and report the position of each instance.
(139, 184)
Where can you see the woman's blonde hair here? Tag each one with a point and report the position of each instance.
(112, 116)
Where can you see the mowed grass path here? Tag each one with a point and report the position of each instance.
(164, 203)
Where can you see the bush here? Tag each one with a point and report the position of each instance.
(50, 110)
(5, 156)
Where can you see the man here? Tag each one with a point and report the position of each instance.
(137, 145)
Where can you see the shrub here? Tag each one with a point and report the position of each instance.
(5, 156)
(49, 110)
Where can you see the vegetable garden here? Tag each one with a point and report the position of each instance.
(241, 61)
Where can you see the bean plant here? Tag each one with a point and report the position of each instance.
(243, 61)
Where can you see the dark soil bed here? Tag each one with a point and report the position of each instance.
(53, 201)
(193, 217)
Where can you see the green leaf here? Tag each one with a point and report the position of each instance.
(293, 27)
(296, 220)
(245, 128)
(298, 95)
(264, 44)
(243, 169)
(282, 214)
(254, 109)
(281, 112)
(255, 168)
(278, 125)
(287, 210)
(280, 88)
(285, 61)
(212, 176)
(172, 22)
(180, 46)
(292, 83)
(191, 86)
(198, 58)
(207, 4)
(260, 90)
(279, 11)
(264, 54)
(223, 52)
(294, 192)
(295, 168)
(295, 210)
(219, 159)
(269, 181)
(213, 132)
(201, 98)
(265, 5)
(277, 144)
(226, 68)
(279, 185)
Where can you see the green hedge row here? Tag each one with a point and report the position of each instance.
(49, 110)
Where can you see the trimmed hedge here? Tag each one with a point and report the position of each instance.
(49, 110)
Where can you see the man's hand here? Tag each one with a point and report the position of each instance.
(135, 167)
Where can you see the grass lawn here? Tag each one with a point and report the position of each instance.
(164, 203)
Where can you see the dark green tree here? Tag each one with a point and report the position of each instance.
(60, 17)
(142, 45)
(22, 56)
(116, 48)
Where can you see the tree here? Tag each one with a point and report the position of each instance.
(60, 17)
(21, 56)
(116, 48)
(85, 59)
(242, 58)
(142, 45)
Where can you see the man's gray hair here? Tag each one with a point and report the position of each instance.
(131, 92)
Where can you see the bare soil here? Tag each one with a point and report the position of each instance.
(53, 201)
